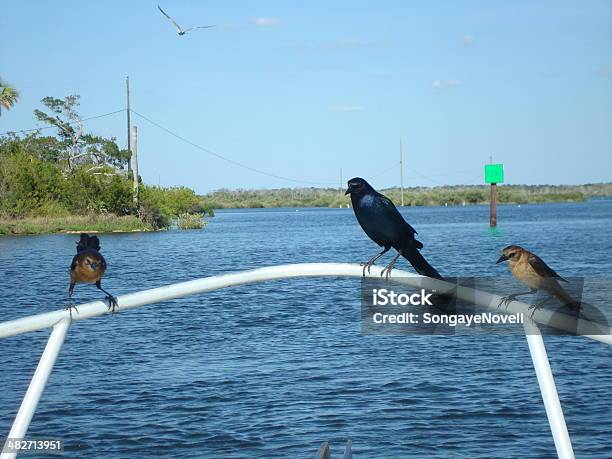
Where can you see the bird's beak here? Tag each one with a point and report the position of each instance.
(94, 266)
(502, 258)
(348, 191)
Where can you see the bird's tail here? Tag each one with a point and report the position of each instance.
(564, 297)
(88, 242)
(419, 263)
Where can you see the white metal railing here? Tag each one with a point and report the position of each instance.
(60, 321)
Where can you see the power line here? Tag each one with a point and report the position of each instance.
(421, 175)
(231, 161)
(224, 158)
(51, 127)
(446, 174)
(394, 166)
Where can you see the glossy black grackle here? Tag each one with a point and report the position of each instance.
(383, 223)
(88, 266)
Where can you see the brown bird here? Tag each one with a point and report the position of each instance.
(88, 266)
(535, 274)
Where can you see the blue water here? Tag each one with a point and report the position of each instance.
(275, 369)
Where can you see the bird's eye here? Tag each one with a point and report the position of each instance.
(511, 255)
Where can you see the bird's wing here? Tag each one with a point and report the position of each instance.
(200, 27)
(541, 268)
(74, 263)
(394, 214)
(178, 27)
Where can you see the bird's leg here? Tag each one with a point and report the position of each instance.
(70, 304)
(539, 304)
(371, 261)
(505, 301)
(387, 270)
(112, 301)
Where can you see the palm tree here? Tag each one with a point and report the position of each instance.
(8, 96)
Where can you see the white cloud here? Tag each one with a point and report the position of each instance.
(346, 108)
(468, 40)
(444, 84)
(265, 22)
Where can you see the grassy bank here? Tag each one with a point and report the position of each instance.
(88, 224)
(80, 183)
(419, 196)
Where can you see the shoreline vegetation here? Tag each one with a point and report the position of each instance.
(107, 223)
(79, 182)
(457, 195)
(75, 181)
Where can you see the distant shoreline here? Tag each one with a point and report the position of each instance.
(106, 223)
(460, 195)
(505, 204)
(451, 196)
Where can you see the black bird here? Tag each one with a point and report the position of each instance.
(383, 223)
(88, 266)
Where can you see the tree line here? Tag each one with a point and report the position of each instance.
(75, 172)
(413, 196)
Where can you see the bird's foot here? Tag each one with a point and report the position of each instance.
(386, 272)
(70, 307)
(535, 307)
(366, 266)
(112, 303)
(506, 300)
(387, 269)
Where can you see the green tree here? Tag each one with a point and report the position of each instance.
(8, 96)
(80, 148)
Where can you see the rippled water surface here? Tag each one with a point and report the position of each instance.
(274, 369)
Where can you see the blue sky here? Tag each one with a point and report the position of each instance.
(302, 89)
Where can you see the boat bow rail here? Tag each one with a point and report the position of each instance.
(61, 320)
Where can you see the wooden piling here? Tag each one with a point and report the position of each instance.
(493, 206)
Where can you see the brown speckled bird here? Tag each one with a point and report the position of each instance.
(88, 266)
(535, 274)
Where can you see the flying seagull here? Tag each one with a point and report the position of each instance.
(180, 30)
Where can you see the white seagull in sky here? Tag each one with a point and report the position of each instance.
(182, 31)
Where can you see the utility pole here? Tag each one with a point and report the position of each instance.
(402, 172)
(129, 129)
(134, 145)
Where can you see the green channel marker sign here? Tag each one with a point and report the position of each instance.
(494, 173)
